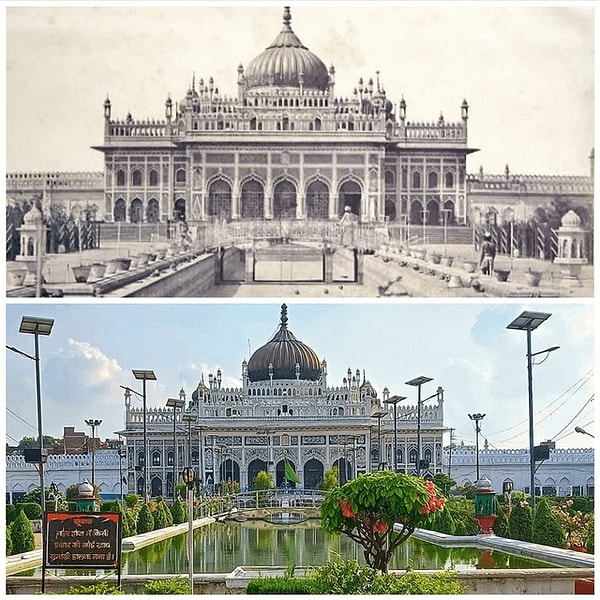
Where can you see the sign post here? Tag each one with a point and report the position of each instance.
(83, 541)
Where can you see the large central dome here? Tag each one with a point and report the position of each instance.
(287, 63)
(283, 356)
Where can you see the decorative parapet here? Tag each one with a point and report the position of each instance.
(104, 459)
(147, 128)
(55, 180)
(467, 456)
(529, 184)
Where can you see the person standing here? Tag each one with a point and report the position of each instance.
(487, 255)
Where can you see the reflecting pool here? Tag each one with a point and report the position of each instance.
(221, 547)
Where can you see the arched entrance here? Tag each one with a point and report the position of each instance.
(179, 210)
(219, 199)
(317, 200)
(136, 211)
(416, 213)
(152, 211)
(156, 487)
(390, 210)
(350, 195)
(433, 212)
(284, 200)
(252, 200)
(280, 478)
(229, 470)
(255, 467)
(120, 211)
(449, 213)
(313, 474)
(344, 468)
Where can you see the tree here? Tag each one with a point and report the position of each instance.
(145, 520)
(331, 479)
(366, 509)
(9, 548)
(178, 512)
(546, 527)
(519, 522)
(444, 483)
(262, 482)
(21, 534)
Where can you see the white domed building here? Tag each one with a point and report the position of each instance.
(285, 410)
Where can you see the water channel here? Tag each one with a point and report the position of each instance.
(221, 547)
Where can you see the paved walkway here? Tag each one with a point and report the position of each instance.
(388, 273)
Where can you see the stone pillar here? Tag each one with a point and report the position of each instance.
(359, 265)
(249, 265)
(328, 252)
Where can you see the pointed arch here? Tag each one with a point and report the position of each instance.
(284, 198)
(350, 193)
(317, 198)
(252, 198)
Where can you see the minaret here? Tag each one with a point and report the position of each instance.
(106, 116)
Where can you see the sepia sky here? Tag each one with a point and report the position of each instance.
(464, 347)
(526, 70)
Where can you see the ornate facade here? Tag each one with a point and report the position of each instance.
(285, 410)
(284, 146)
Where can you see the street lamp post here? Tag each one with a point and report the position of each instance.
(529, 321)
(189, 418)
(38, 326)
(175, 403)
(581, 430)
(393, 400)
(145, 375)
(122, 453)
(93, 423)
(189, 478)
(418, 382)
(477, 417)
(379, 414)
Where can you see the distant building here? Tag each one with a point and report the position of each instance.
(567, 472)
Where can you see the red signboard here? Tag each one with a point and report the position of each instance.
(83, 540)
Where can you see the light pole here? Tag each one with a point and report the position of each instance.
(189, 418)
(581, 430)
(379, 414)
(175, 403)
(189, 478)
(93, 423)
(38, 326)
(418, 382)
(529, 321)
(477, 417)
(122, 454)
(393, 400)
(145, 375)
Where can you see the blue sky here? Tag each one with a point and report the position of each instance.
(527, 70)
(465, 347)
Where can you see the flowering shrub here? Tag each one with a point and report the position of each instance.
(575, 524)
(366, 509)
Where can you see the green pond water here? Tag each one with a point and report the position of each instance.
(221, 547)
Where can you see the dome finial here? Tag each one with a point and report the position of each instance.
(287, 16)
(284, 317)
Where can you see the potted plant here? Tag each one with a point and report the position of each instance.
(469, 266)
(533, 277)
(574, 523)
(81, 273)
(446, 261)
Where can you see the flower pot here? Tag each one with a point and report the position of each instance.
(446, 261)
(15, 277)
(469, 266)
(81, 273)
(533, 278)
(97, 271)
(420, 254)
(502, 274)
(123, 264)
(144, 259)
(435, 259)
(577, 548)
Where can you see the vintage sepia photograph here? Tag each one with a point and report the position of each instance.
(310, 150)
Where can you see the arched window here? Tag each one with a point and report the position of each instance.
(219, 199)
(153, 178)
(317, 200)
(156, 458)
(449, 179)
(253, 124)
(136, 178)
(180, 176)
(170, 458)
(317, 124)
(432, 180)
(416, 179)
(390, 180)
(120, 177)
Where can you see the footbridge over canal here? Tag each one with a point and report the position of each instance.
(276, 506)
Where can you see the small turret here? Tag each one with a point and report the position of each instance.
(464, 110)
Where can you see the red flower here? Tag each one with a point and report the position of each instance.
(347, 509)
(379, 527)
